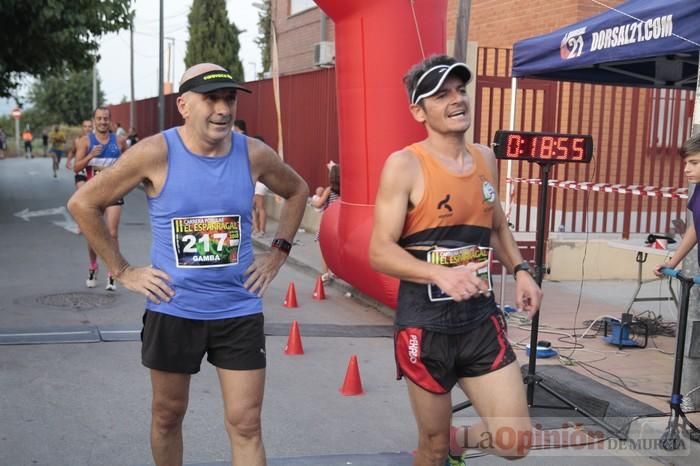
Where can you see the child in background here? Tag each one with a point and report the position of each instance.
(323, 198)
(690, 153)
(316, 198)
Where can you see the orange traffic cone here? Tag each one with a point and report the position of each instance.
(291, 299)
(319, 292)
(294, 346)
(353, 384)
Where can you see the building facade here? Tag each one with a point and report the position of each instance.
(301, 26)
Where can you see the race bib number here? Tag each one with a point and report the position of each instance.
(100, 163)
(458, 257)
(206, 241)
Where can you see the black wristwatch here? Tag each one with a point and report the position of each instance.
(520, 267)
(282, 244)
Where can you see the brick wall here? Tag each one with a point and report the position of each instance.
(493, 23)
(296, 36)
(500, 23)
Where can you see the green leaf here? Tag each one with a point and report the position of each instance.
(41, 37)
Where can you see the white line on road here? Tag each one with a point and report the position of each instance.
(26, 214)
(67, 223)
(19, 334)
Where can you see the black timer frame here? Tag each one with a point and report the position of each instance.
(532, 379)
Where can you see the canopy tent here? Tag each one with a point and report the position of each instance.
(651, 43)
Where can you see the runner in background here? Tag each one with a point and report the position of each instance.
(57, 139)
(98, 151)
(27, 137)
(45, 141)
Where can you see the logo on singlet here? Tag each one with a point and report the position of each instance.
(413, 349)
(444, 204)
(489, 192)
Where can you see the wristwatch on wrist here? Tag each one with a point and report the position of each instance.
(282, 244)
(520, 267)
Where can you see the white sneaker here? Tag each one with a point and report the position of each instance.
(92, 278)
(111, 286)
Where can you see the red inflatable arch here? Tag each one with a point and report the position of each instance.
(377, 41)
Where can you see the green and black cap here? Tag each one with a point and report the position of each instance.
(211, 81)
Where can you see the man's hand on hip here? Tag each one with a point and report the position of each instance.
(150, 282)
(263, 270)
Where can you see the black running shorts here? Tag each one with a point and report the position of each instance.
(58, 153)
(175, 344)
(436, 361)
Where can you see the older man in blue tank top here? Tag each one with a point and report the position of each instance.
(204, 284)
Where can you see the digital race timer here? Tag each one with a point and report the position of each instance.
(543, 147)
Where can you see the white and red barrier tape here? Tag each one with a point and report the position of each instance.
(639, 190)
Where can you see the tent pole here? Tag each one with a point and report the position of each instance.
(509, 173)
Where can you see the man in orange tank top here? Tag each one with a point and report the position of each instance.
(437, 216)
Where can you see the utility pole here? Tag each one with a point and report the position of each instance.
(324, 27)
(94, 84)
(132, 104)
(17, 144)
(161, 96)
(462, 31)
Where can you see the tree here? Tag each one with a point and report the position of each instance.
(212, 38)
(48, 37)
(65, 98)
(264, 40)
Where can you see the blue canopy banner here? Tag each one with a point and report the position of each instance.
(652, 43)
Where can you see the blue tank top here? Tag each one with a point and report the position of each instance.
(110, 151)
(201, 226)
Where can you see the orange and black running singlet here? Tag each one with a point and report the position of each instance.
(456, 210)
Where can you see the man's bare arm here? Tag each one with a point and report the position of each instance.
(71, 153)
(268, 168)
(82, 157)
(121, 141)
(322, 199)
(502, 241)
(282, 180)
(528, 294)
(391, 206)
